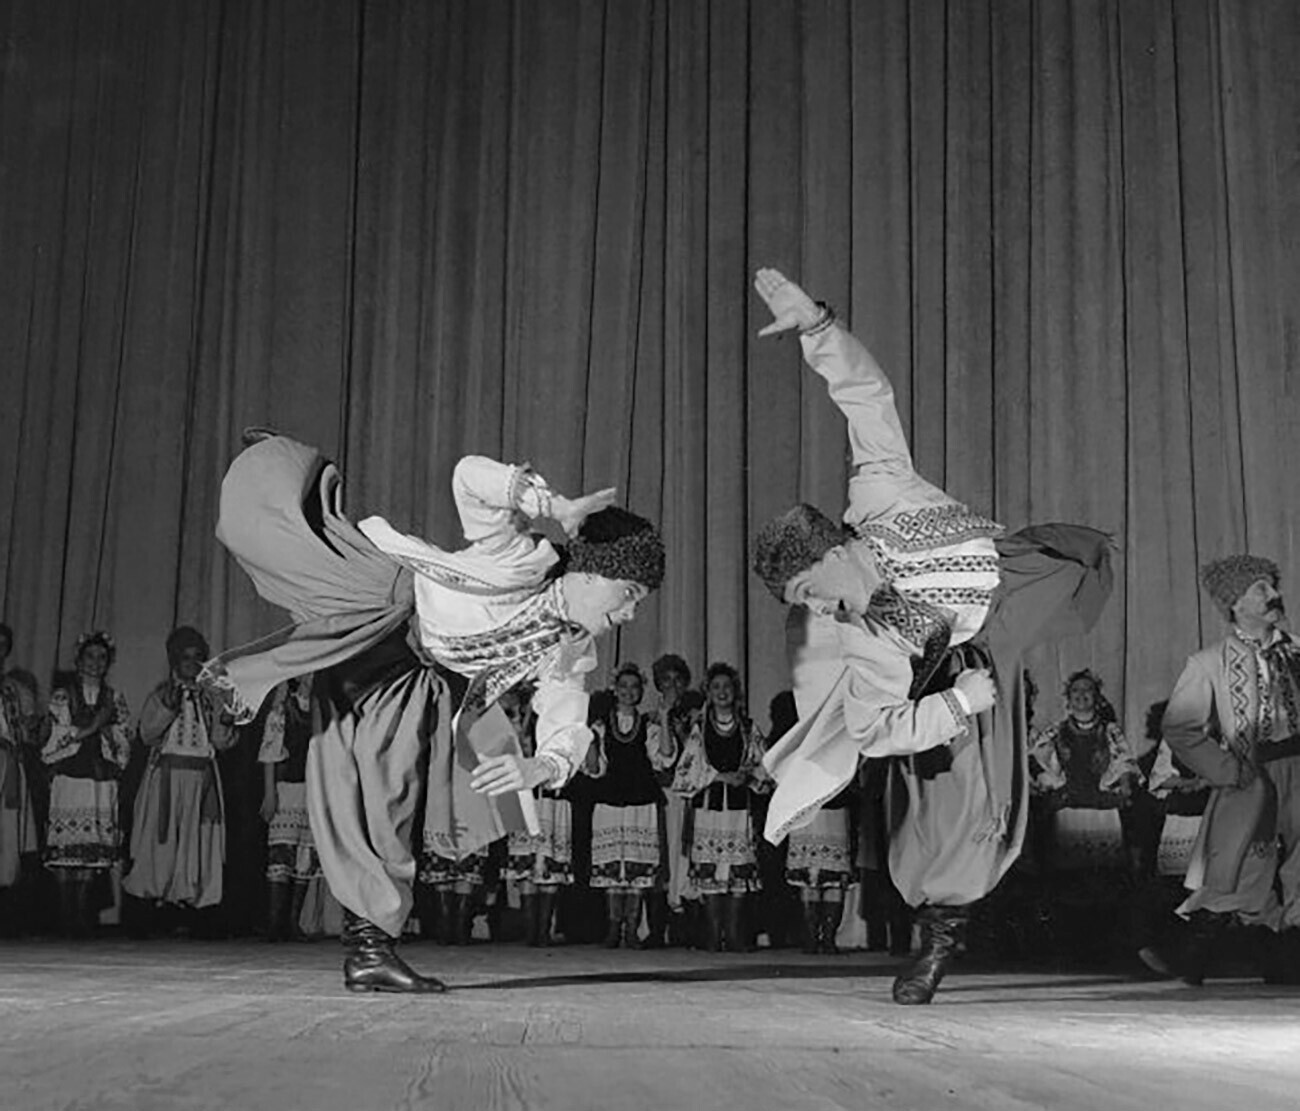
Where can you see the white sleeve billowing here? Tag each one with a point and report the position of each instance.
(489, 495)
(563, 734)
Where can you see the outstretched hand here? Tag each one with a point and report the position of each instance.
(791, 306)
(498, 775)
(569, 513)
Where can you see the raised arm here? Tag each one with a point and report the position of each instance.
(490, 496)
(856, 383)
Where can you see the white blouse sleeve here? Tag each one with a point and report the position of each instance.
(560, 703)
(489, 495)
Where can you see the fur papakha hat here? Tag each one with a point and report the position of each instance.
(616, 544)
(1227, 579)
(793, 542)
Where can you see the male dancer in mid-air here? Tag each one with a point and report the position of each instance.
(412, 646)
(919, 613)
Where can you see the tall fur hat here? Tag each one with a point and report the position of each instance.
(616, 544)
(793, 542)
(1227, 579)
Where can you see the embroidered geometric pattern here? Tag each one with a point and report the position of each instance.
(499, 658)
(932, 526)
(971, 564)
(912, 618)
(950, 597)
(548, 857)
(625, 844)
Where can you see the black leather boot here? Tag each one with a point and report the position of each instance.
(737, 925)
(545, 914)
(1204, 929)
(811, 926)
(656, 916)
(372, 963)
(900, 932)
(942, 930)
(632, 919)
(277, 912)
(828, 925)
(614, 909)
(528, 908)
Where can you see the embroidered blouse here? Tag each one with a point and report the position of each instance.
(717, 769)
(100, 755)
(1087, 764)
(490, 612)
(926, 544)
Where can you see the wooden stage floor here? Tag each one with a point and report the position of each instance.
(187, 1026)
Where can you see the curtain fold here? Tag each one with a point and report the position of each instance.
(407, 231)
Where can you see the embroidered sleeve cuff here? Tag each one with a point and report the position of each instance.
(557, 768)
(957, 706)
(529, 492)
(823, 321)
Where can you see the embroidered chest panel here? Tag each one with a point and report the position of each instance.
(931, 526)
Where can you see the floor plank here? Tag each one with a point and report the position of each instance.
(193, 1026)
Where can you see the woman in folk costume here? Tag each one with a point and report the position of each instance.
(392, 624)
(540, 863)
(19, 729)
(88, 747)
(921, 612)
(1085, 769)
(628, 849)
(291, 860)
(1233, 720)
(720, 770)
(178, 837)
(1087, 778)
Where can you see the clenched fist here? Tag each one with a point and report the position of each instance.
(977, 687)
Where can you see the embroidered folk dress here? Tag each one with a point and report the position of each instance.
(290, 851)
(82, 829)
(957, 594)
(544, 858)
(178, 836)
(1181, 798)
(1079, 769)
(395, 623)
(719, 771)
(628, 849)
(18, 833)
(1236, 703)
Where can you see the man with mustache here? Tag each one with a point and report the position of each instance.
(1234, 719)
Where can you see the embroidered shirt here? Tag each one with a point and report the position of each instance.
(488, 611)
(926, 544)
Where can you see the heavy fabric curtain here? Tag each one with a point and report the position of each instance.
(410, 230)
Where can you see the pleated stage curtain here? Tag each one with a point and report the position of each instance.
(410, 230)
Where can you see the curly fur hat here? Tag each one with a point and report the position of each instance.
(792, 543)
(1227, 579)
(616, 544)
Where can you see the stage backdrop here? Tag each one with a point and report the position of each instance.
(407, 231)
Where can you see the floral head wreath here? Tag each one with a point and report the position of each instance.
(100, 637)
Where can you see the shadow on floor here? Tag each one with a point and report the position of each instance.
(734, 973)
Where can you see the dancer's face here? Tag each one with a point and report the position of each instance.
(843, 580)
(722, 692)
(188, 663)
(1082, 699)
(628, 691)
(1262, 603)
(92, 662)
(599, 604)
(671, 685)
